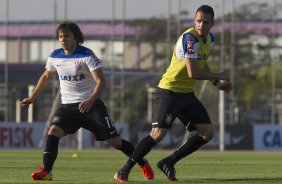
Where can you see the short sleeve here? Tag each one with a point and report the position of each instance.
(187, 47)
(94, 62)
(190, 44)
(49, 64)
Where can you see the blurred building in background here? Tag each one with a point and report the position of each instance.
(137, 51)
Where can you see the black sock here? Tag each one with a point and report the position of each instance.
(127, 148)
(141, 150)
(186, 149)
(50, 153)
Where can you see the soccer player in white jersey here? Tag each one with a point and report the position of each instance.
(81, 83)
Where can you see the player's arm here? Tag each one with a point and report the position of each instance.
(188, 47)
(203, 74)
(215, 82)
(41, 84)
(100, 86)
(221, 85)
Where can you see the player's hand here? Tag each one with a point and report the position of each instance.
(85, 106)
(26, 102)
(225, 86)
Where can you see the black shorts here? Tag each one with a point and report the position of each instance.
(168, 105)
(96, 120)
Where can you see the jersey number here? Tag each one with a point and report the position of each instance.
(110, 122)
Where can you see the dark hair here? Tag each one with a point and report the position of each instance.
(206, 9)
(72, 27)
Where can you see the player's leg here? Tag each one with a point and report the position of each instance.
(142, 149)
(127, 148)
(202, 131)
(193, 143)
(64, 122)
(50, 154)
(101, 125)
(163, 116)
(124, 146)
(51, 149)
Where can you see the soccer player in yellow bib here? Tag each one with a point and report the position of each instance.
(175, 96)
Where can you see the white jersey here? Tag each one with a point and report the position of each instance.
(74, 72)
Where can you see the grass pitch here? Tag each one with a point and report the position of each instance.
(100, 166)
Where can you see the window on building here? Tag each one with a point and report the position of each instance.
(34, 51)
(39, 50)
(97, 46)
(103, 50)
(47, 47)
(2, 51)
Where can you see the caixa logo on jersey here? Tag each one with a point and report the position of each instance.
(72, 77)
